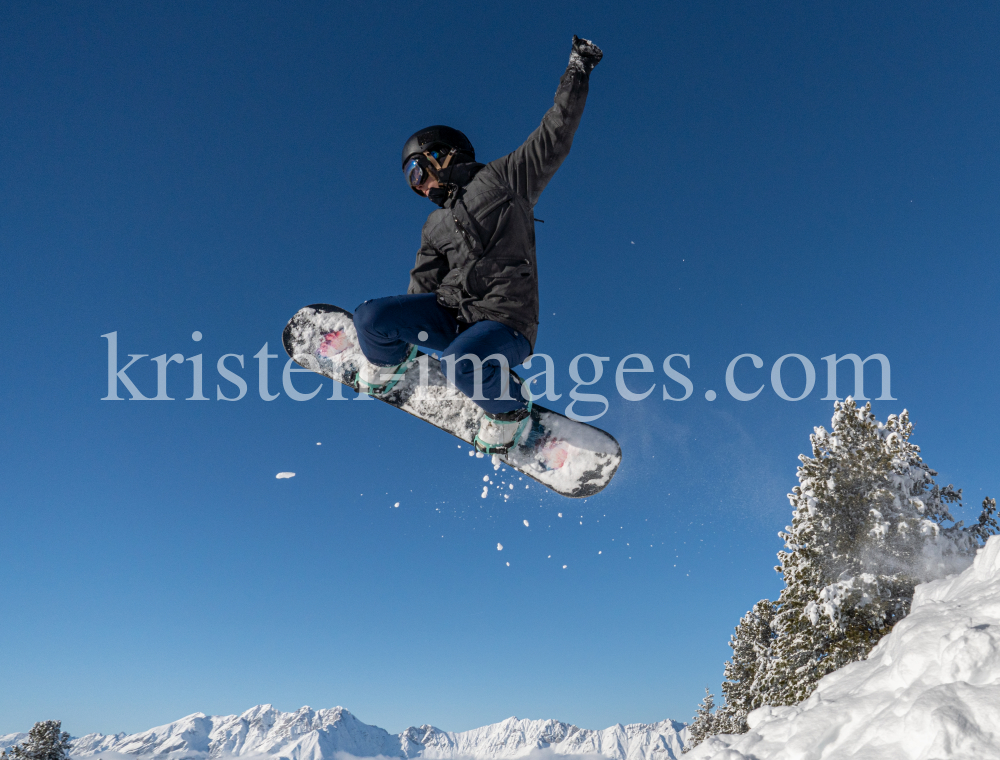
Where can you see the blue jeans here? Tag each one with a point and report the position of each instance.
(386, 325)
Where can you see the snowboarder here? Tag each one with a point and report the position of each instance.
(474, 288)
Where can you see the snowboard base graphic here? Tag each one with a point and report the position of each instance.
(570, 457)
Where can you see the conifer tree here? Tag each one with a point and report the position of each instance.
(744, 687)
(703, 724)
(868, 525)
(46, 741)
(987, 525)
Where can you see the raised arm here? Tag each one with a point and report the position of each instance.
(529, 168)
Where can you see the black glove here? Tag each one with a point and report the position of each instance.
(585, 55)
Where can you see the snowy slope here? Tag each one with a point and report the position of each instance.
(929, 690)
(310, 734)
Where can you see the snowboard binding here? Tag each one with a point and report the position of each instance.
(498, 435)
(378, 381)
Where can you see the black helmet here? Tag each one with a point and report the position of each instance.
(439, 134)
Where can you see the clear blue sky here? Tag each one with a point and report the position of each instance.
(766, 178)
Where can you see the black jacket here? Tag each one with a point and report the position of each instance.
(477, 252)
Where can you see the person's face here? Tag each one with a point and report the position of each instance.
(421, 167)
(428, 184)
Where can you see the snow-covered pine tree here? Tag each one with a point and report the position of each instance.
(744, 687)
(987, 525)
(868, 525)
(703, 724)
(46, 741)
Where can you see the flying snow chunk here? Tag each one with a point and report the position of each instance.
(283, 475)
(396, 504)
(526, 524)
(499, 547)
(560, 514)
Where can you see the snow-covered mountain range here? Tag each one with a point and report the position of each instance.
(264, 732)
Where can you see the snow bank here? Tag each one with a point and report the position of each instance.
(930, 690)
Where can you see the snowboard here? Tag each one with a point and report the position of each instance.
(570, 457)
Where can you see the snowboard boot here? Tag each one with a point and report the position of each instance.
(377, 380)
(499, 433)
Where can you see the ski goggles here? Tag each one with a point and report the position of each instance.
(418, 169)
